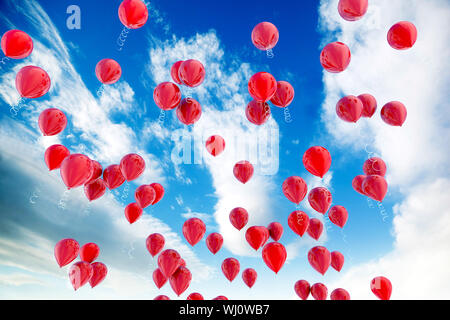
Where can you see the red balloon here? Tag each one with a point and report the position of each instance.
(215, 145)
(375, 187)
(133, 212)
(274, 255)
(317, 160)
(113, 177)
(54, 156)
(168, 261)
(174, 72)
(220, 298)
(108, 71)
(374, 165)
(214, 242)
(155, 243)
(66, 251)
(32, 82)
(381, 287)
(95, 189)
(339, 294)
(182, 263)
(80, 273)
(133, 13)
(352, 10)
(52, 121)
(243, 171)
(335, 57)
(195, 296)
(319, 291)
(394, 113)
(320, 259)
(161, 297)
(132, 166)
(144, 195)
(16, 44)
(302, 289)
(320, 199)
(75, 170)
(239, 218)
(275, 230)
(249, 277)
(337, 260)
(315, 228)
(189, 111)
(369, 105)
(349, 109)
(180, 280)
(284, 94)
(230, 268)
(191, 73)
(295, 188)
(256, 236)
(262, 86)
(194, 230)
(99, 272)
(159, 278)
(257, 112)
(265, 36)
(298, 221)
(338, 215)
(167, 96)
(96, 172)
(357, 183)
(89, 252)
(402, 35)
(159, 189)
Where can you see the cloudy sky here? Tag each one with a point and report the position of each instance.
(405, 239)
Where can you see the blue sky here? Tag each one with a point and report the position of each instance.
(125, 119)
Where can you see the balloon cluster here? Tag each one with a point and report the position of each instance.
(372, 184)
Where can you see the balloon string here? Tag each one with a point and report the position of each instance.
(63, 201)
(14, 110)
(125, 191)
(122, 38)
(269, 53)
(287, 115)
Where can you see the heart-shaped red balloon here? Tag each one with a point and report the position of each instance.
(52, 121)
(161, 297)
(402, 35)
(133, 212)
(319, 291)
(349, 109)
(159, 189)
(243, 171)
(295, 189)
(239, 217)
(230, 268)
(168, 261)
(315, 228)
(80, 273)
(108, 71)
(194, 230)
(374, 165)
(302, 289)
(75, 170)
(95, 189)
(195, 296)
(89, 252)
(32, 82)
(133, 13)
(335, 57)
(337, 260)
(265, 36)
(320, 199)
(214, 242)
(132, 166)
(274, 255)
(394, 113)
(99, 272)
(159, 278)
(338, 215)
(275, 230)
(96, 171)
(257, 112)
(249, 277)
(215, 145)
(357, 183)
(352, 10)
(191, 73)
(54, 156)
(375, 187)
(16, 44)
(262, 86)
(381, 287)
(320, 259)
(167, 95)
(369, 105)
(144, 195)
(298, 221)
(174, 72)
(340, 294)
(180, 280)
(113, 176)
(66, 250)
(155, 243)
(256, 236)
(284, 94)
(317, 160)
(189, 111)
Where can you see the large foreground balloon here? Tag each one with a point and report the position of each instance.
(144, 195)
(265, 36)
(284, 94)
(167, 95)
(320, 259)
(54, 156)
(374, 165)
(320, 199)
(155, 243)
(80, 273)
(194, 230)
(262, 86)
(76, 169)
(191, 73)
(243, 171)
(133, 13)
(257, 112)
(239, 217)
(302, 289)
(168, 261)
(16, 44)
(189, 111)
(335, 57)
(352, 10)
(375, 187)
(349, 109)
(108, 71)
(66, 250)
(317, 160)
(394, 113)
(180, 280)
(298, 221)
(32, 82)
(133, 212)
(274, 255)
(338, 215)
(214, 242)
(89, 252)
(52, 121)
(113, 176)
(369, 105)
(381, 287)
(230, 268)
(295, 189)
(319, 291)
(215, 145)
(257, 236)
(132, 166)
(249, 277)
(402, 35)
(99, 272)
